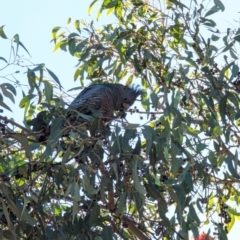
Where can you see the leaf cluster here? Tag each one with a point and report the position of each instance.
(158, 180)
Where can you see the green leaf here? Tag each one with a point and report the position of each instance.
(16, 40)
(175, 198)
(215, 38)
(20, 43)
(180, 194)
(201, 147)
(237, 115)
(94, 214)
(163, 209)
(6, 93)
(129, 81)
(13, 207)
(54, 33)
(66, 156)
(31, 79)
(139, 203)
(237, 37)
(2, 34)
(153, 157)
(178, 3)
(27, 217)
(76, 191)
(76, 74)
(178, 116)
(56, 132)
(25, 100)
(233, 55)
(48, 91)
(217, 131)
(2, 104)
(170, 75)
(231, 168)
(152, 192)
(199, 205)
(115, 170)
(140, 188)
(233, 211)
(77, 25)
(221, 232)
(87, 186)
(213, 10)
(148, 135)
(6, 214)
(59, 44)
(194, 230)
(94, 126)
(72, 46)
(174, 151)
(55, 78)
(136, 61)
(91, 6)
(3, 59)
(107, 233)
(75, 210)
(122, 202)
(69, 20)
(137, 149)
(38, 67)
(194, 215)
(11, 88)
(219, 4)
(24, 142)
(154, 99)
(145, 100)
(189, 181)
(87, 117)
(222, 108)
(231, 224)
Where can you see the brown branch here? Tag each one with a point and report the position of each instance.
(15, 124)
(137, 232)
(116, 229)
(111, 204)
(145, 112)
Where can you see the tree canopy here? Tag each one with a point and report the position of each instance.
(166, 175)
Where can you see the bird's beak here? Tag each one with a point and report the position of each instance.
(126, 106)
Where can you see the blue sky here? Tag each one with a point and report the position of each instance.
(34, 21)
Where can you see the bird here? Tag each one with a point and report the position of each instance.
(107, 98)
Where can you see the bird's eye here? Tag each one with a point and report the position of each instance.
(125, 99)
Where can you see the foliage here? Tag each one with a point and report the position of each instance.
(162, 179)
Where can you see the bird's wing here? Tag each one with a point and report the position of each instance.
(96, 96)
(89, 97)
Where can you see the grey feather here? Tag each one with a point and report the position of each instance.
(106, 97)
